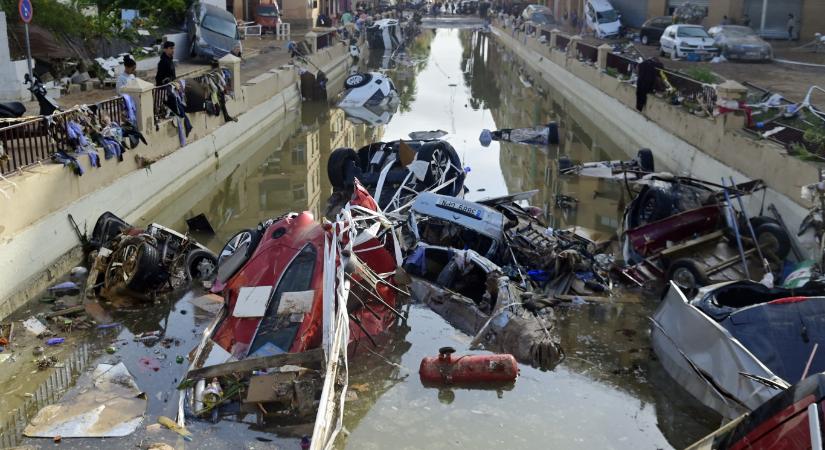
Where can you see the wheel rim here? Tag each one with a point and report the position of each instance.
(355, 79)
(768, 243)
(122, 266)
(244, 237)
(684, 278)
(644, 40)
(202, 268)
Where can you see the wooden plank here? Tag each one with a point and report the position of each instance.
(63, 312)
(312, 359)
(597, 299)
(693, 242)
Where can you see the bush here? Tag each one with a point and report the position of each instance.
(701, 74)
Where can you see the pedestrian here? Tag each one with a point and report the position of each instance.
(166, 65)
(128, 74)
(574, 19)
(725, 20)
(346, 18)
(646, 81)
(791, 26)
(746, 20)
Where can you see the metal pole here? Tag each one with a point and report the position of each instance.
(28, 50)
(729, 208)
(764, 17)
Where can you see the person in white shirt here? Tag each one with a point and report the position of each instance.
(129, 68)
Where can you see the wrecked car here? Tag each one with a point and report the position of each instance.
(473, 294)
(735, 346)
(373, 89)
(685, 230)
(511, 236)
(212, 31)
(138, 262)
(296, 294)
(396, 172)
(385, 33)
(740, 42)
(631, 169)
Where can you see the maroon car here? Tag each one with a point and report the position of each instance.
(268, 16)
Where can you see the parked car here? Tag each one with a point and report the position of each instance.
(212, 31)
(529, 10)
(740, 42)
(268, 16)
(602, 18)
(682, 41)
(653, 29)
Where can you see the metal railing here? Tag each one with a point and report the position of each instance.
(691, 90)
(31, 142)
(159, 102)
(587, 52)
(787, 137)
(49, 392)
(562, 42)
(621, 64)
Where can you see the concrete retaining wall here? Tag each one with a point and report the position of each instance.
(37, 242)
(688, 145)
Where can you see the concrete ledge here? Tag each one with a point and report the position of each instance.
(691, 145)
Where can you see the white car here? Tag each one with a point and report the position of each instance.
(682, 41)
(602, 19)
(368, 89)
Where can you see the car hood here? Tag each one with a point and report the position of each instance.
(697, 41)
(610, 27)
(746, 40)
(220, 44)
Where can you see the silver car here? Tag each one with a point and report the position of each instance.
(739, 42)
(213, 32)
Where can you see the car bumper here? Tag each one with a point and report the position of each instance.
(702, 54)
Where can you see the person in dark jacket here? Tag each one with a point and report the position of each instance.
(646, 83)
(166, 65)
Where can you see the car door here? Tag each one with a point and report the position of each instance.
(658, 28)
(664, 39)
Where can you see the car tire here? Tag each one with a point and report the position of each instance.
(645, 40)
(688, 275)
(201, 265)
(645, 158)
(248, 236)
(427, 153)
(339, 161)
(139, 262)
(357, 80)
(662, 52)
(772, 238)
(564, 163)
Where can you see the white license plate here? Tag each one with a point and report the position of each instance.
(459, 208)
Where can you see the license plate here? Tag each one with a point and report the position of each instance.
(459, 208)
(752, 54)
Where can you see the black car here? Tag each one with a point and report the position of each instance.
(652, 29)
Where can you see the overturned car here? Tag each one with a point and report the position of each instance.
(139, 262)
(373, 89)
(396, 172)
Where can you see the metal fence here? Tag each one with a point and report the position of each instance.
(562, 42)
(159, 102)
(621, 64)
(30, 142)
(787, 137)
(49, 392)
(587, 52)
(691, 90)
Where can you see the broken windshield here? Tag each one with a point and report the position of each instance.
(219, 25)
(608, 16)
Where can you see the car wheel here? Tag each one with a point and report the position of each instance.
(662, 52)
(339, 162)
(654, 204)
(688, 276)
(201, 265)
(773, 239)
(357, 80)
(133, 265)
(645, 40)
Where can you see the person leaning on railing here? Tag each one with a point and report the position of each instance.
(166, 65)
(129, 67)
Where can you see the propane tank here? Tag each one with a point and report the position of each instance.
(468, 369)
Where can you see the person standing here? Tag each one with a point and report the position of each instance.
(746, 20)
(725, 20)
(791, 26)
(128, 74)
(166, 65)
(646, 81)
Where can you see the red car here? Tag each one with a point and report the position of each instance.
(268, 16)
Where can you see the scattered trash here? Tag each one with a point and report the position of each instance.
(104, 403)
(34, 326)
(170, 424)
(45, 362)
(445, 369)
(37, 351)
(55, 341)
(65, 288)
(79, 273)
(542, 135)
(200, 224)
(149, 363)
(179, 359)
(111, 349)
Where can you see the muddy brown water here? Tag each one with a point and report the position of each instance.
(609, 392)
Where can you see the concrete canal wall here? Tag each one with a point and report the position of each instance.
(702, 147)
(37, 242)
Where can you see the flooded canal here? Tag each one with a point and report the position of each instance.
(609, 392)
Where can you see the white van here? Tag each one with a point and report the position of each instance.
(602, 18)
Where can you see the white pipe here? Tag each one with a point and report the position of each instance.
(813, 426)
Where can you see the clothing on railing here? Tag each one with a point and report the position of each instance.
(67, 160)
(646, 82)
(131, 109)
(81, 144)
(176, 102)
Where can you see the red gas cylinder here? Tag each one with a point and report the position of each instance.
(468, 369)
